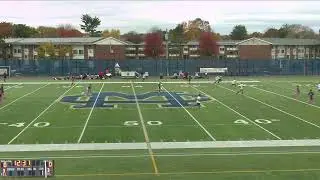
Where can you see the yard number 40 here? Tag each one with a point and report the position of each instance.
(136, 123)
(259, 121)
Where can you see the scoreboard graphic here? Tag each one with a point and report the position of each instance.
(27, 168)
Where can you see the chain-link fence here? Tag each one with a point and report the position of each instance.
(155, 67)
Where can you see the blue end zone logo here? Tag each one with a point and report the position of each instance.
(185, 99)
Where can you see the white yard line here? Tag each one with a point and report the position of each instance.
(203, 128)
(160, 145)
(89, 116)
(44, 111)
(145, 132)
(163, 125)
(191, 154)
(12, 87)
(275, 108)
(271, 92)
(239, 114)
(23, 96)
(128, 82)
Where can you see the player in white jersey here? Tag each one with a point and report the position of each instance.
(234, 83)
(319, 87)
(218, 79)
(241, 89)
(198, 101)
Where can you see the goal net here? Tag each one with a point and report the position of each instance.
(5, 69)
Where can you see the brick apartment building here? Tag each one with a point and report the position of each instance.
(110, 48)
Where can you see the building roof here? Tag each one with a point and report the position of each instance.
(228, 42)
(12, 40)
(291, 41)
(223, 42)
(99, 40)
(110, 41)
(73, 40)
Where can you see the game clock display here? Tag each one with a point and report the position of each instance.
(27, 168)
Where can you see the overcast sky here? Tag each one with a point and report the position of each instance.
(142, 15)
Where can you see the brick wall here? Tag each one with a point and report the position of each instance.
(255, 52)
(102, 52)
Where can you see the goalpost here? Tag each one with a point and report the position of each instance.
(5, 69)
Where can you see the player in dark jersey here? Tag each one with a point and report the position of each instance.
(311, 94)
(189, 79)
(89, 90)
(298, 90)
(72, 80)
(159, 86)
(5, 77)
(1, 93)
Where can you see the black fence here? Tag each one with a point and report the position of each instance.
(155, 67)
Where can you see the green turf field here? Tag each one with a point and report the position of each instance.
(123, 111)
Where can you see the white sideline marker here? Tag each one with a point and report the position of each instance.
(204, 129)
(239, 114)
(55, 101)
(23, 96)
(89, 116)
(275, 108)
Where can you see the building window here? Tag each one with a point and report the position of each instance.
(282, 50)
(80, 51)
(75, 51)
(221, 49)
(19, 50)
(15, 51)
(25, 56)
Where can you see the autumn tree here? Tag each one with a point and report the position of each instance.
(46, 50)
(271, 33)
(194, 28)
(256, 34)
(133, 37)
(115, 33)
(176, 34)
(2, 47)
(153, 46)
(208, 46)
(23, 31)
(90, 25)
(239, 32)
(300, 31)
(225, 37)
(216, 36)
(64, 51)
(47, 32)
(5, 29)
(67, 30)
(284, 31)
